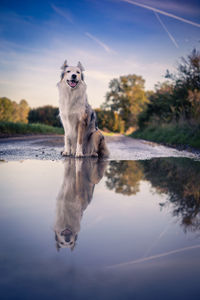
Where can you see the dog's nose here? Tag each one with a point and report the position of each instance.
(68, 238)
(73, 76)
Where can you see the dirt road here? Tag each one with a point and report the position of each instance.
(49, 147)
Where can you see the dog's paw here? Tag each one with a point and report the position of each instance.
(65, 153)
(94, 154)
(79, 154)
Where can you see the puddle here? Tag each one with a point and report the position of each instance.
(80, 229)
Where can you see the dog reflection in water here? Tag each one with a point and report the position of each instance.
(80, 177)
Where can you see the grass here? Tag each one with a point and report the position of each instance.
(173, 135)
(10, 129)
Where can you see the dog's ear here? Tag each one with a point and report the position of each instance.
(79, 65)
(65, 65)
(63, 68)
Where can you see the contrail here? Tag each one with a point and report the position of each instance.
(162, 12)
(167, 31)
(141, 260)
(157, 239)
(66, 14)
(100, 43)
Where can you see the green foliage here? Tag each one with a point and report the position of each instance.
(10, 111)
(10, 128)
(178, 101)
(160, 106)
(109, 120)
(127, 98)
(46, 115)
(170, 134)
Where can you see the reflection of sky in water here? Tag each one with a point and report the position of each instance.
(115, 229)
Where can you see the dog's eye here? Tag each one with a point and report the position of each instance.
(78, 72)
(68, 71)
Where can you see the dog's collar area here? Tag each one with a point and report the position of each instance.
(72, 83)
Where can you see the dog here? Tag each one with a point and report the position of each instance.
(82, 136)
(80, 177)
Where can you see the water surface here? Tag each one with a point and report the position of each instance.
(83, 229)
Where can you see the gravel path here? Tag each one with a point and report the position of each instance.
(49, 147)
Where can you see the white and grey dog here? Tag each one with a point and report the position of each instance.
(82, 137)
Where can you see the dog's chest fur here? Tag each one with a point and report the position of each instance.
(72, 105)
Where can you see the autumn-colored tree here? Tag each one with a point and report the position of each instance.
(6, 110)
(10, 111)
(23, 111)
(126, 97)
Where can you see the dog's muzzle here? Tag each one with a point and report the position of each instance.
(72, 83)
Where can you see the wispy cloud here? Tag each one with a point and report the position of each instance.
(167, 31)
(100, 43)
(162, 12)
(63, 13)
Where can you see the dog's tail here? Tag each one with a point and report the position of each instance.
(103, 149)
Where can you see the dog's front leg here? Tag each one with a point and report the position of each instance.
(67, 148)
(81, 132)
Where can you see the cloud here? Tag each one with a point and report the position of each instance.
(63, 13)
(100, 43)
(162, 12)
(166, 30)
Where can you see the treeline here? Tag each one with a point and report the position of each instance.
(11, 111)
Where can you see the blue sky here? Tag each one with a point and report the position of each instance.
(110, 37)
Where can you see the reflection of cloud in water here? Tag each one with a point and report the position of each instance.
(80, 177)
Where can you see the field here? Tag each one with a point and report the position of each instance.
(11, 129)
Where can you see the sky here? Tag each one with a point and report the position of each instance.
(110, 38)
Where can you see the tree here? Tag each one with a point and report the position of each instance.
(186, 86)
(23, 111)
(6, 110)
(160, 106)
(109, 120)
(48, 115)
(126, 97)
(177, 100)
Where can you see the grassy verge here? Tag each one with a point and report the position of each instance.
(174, 135)
(10, 129)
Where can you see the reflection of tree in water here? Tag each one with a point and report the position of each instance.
(177, 177)
(180, 179)
(124, 177)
